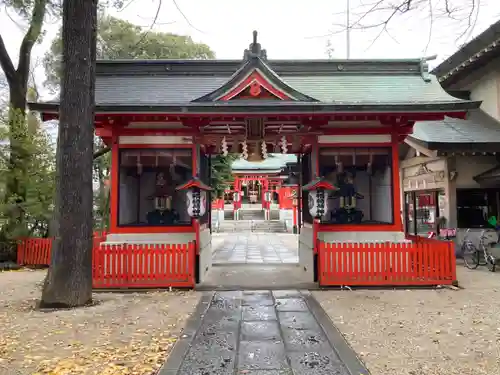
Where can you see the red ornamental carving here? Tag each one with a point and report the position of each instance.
(255, 89)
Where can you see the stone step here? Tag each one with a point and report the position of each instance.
(271, 226)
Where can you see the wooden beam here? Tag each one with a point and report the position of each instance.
(421, 149)
(417, 160)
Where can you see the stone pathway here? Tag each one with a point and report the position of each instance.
(261, 333)
(257, 248)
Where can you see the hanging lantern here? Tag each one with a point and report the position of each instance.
(244, 150)
(318, 196)
(264, 149)
(224, 146)
(369, 166)
(139, 165)
(284, 145)
(196, 194)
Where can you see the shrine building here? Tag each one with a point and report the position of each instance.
(343, 121)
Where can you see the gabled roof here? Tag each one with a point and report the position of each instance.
(319, 183)
(257, 72)
(257, 75)
(478, 132)
(304, 86)
(473, 55)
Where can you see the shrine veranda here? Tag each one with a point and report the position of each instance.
(344, 119)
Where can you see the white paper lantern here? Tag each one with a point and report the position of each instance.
(196, 202)
(203, 203)
(318, 203)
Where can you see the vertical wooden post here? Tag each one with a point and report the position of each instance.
(294, 224)
(396, 184)
(115, 185)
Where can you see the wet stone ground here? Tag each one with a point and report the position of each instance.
(257, 248)
(260, 333)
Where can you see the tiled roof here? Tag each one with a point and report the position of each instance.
(479, 51)
(275, 162)
(335, 88)
(478, 128)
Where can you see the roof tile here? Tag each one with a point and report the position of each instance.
(163, 90)
(479, 127)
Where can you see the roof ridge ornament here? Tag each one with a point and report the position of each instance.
(424, 67)
(255, 49)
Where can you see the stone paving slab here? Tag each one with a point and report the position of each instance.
(262, 333)
(256, 248)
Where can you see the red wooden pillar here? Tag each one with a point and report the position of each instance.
(237, 189)
(266, 205)
(294, 220)
(396, 184)
(115, 184)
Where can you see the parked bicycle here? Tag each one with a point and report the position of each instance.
(482, 255)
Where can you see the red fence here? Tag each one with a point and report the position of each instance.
(387, 264)
(143, 266)
(124, 265)
(34, 251)
(218, 204)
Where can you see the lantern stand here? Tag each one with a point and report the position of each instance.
(293, 182)
(196, 194)
(236, 200)
(318, 207)
(295, 205)
(267, 199)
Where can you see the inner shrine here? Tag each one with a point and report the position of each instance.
(341, 120)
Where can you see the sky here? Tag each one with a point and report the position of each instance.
(288, 29)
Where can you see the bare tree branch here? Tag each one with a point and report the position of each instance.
(6, 63)
(185, 18)
(31, 36)
(380, 14)
(101, 152)
(160, 2)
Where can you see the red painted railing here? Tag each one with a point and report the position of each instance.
(427, 262)
(35, 251)
(143, 266)
(218, 204)
(124, 265)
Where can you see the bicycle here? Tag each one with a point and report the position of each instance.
(470, 252)
(474, 257)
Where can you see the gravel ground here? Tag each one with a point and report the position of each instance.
(423, 332)
(126, 333)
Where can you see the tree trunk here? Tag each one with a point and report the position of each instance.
(69, 280)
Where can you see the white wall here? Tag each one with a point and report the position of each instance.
(382, 209)
(128, 201)
(486, 87)
(129, 187)
(362, 184)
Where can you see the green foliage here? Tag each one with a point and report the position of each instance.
(31, 213)
(221, 173)
(25, 7)
(119, 39)
(102, 170)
